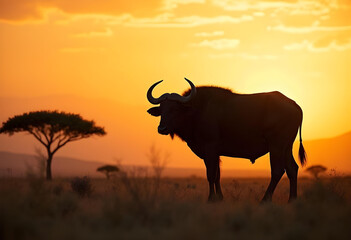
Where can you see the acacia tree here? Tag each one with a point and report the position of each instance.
(315, 170)
(52, 129)
(107, 169)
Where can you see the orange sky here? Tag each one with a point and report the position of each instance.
(114, 49)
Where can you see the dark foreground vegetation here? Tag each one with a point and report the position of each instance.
(139, 207)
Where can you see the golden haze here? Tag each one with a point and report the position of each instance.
(115, 50)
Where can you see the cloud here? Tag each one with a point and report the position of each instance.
(209, 34)
(218, 44)
(320, 46)
(138, 13)
(169, 20)
(313, 28)
(230, 5)
(245, 56)
(172, 4)
(259, 14)
(160, 20)
(163, 20)
(302, 7)
(297, 46)
(198, 20)
(20, 10)
(106, 33)
(221, 55)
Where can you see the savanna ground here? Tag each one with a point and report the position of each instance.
(136, 206)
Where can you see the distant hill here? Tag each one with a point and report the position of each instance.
(20, 164)
(331, 152)
(17, 165)
(335, 153)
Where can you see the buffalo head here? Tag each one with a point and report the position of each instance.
(171, 109)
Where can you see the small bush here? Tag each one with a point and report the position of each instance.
(66, 204)
(57, 189)
(82, 186)
(325, 192)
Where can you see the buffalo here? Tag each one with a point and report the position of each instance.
(216, 122)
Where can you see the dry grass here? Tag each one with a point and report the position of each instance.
(130, 207)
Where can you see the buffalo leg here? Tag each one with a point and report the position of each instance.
(277, 171)
(291, 171)
(219, 193)
(211, 170)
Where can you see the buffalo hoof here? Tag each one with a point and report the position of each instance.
(211, 198)
(215, 198)
(266, 200)
(219, 197)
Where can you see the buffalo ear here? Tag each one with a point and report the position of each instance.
(154, 111)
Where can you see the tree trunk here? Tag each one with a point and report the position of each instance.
(48, 168)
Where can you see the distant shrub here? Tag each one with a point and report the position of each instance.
(316, 170)
(143, 188)
(191, 186)
(235, 190)
(107, 170)
(66, 204)
(82, 186)
(328, 191)
(36, 185)
(57, 189)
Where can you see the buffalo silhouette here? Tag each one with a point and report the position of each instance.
(216, 122)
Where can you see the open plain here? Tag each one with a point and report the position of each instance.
(137, 206)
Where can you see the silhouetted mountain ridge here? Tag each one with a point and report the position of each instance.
(331, 152)
(17, 165)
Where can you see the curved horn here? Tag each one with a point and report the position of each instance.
(183, 99)
(151, 98)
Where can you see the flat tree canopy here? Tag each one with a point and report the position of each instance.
(315, 170)
(107, 169)
(52, 129)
